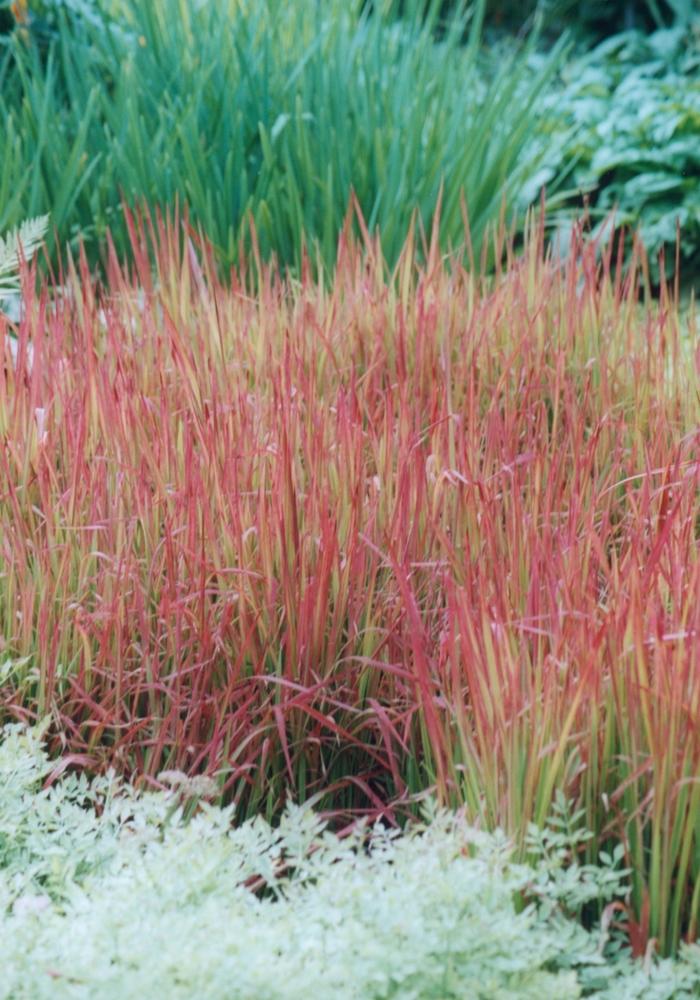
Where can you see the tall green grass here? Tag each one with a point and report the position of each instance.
(270, 109)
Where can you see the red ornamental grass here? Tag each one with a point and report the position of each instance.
(415, 530)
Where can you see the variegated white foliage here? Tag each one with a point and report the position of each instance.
(108, 893)
(20, 243)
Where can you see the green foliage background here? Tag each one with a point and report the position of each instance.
(625, 130)
(271, 110)
(278, 111)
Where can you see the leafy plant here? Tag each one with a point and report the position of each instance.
(627, 125)
(17, 246)
(98, 893)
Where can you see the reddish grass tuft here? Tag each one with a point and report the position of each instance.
(419, 530)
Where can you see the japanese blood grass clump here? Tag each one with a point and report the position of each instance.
(418, 530)
(99, 896)
(275, 109)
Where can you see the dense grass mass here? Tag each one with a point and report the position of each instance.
(274, 109)
(423, 530)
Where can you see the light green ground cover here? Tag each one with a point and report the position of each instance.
(107, 893)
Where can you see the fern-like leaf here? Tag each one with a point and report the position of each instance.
(18, 244)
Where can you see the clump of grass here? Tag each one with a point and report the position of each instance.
(276, 109)
(421, 530)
